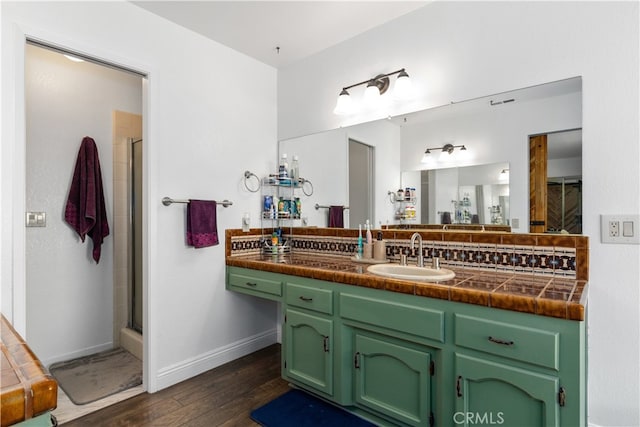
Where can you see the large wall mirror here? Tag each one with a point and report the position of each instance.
(492, 175)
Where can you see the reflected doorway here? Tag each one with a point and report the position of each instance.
(361, 157)
(555, 182)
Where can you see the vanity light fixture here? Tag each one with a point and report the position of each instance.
(447, 148)
(375, 87)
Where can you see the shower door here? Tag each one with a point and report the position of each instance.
(136, 235)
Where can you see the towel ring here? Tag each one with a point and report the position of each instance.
(248, 175)
(305, 181)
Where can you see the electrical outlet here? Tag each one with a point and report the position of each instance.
(623, 229)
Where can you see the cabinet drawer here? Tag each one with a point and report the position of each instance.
(311, 298)
(255, 285)
(411, 319)
(518, 342)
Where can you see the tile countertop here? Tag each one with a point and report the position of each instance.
(543, 295)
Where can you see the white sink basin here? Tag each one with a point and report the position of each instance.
(411, 272)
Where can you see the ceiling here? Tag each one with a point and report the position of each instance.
(279, 33)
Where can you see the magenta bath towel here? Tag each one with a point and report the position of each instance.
(85, 211)
(202, 230)
(336, 217)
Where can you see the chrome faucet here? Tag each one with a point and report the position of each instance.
(420, 260)
(445, 227)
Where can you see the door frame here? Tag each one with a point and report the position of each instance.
(13, 271)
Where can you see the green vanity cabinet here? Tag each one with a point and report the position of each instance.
(308, 338)
(392, 379)
(253, 282)
(395, 341)
(490, 393)
(405, 360)
(307, 354)
(518, 369)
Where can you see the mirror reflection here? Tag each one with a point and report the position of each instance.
(495, 130)
(466, 195)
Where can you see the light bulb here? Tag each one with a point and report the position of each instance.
(371, 94)
(403, 87)
(344, 103)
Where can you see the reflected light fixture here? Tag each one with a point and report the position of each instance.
(73, 58)
(375, 87)
(445, 149)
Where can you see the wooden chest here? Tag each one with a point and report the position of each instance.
(26, 389)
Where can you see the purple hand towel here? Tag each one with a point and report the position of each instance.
(85, 210)
(336, 218)
(202, 230)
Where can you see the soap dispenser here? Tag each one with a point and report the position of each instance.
(379, 248)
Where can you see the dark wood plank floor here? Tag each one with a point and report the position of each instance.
(220, 397)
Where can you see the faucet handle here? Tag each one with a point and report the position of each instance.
(403, 259)
(435, 263)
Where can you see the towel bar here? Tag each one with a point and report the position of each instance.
(168, 200)
(327, 207)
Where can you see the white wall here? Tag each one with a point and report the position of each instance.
(462, 50)
(67, 290)
(209, 115)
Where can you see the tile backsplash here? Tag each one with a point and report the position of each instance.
(530, 254)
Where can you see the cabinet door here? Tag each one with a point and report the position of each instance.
(490, 393)
(393, 380)
(307, 349)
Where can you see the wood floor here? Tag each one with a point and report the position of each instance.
(221, 397)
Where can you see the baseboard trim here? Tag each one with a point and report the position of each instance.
(189, 368)
(78, 353)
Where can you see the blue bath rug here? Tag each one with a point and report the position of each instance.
(296, 408)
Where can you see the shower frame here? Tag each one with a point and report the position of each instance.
(134, 320)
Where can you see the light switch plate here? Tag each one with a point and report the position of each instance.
(36, 219)
(624, 229)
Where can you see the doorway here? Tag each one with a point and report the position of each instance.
(361, 158)
(66, 100)
(555, 182)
